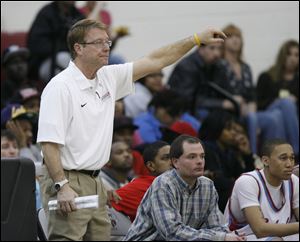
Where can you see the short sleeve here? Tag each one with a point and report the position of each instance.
(247, 191)
(55, 114)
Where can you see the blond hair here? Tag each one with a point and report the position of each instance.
(78, 32)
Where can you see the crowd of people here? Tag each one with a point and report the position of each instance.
(209, 155)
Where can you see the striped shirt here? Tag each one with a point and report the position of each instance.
(171, 211)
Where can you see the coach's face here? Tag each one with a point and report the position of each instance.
(95, 48)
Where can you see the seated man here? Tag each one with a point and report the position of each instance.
(263, 201)
(116, 172)
(124, 131)
(157, 160)
(181, 204)
(20, 122)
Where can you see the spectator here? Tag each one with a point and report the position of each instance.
(282, 79)
(17, 119)
(9, 144)
(237, 73)
(263, 201)
(14, 61)
(191, 77)
(76, 123)
(273, 123)
(187, 201)
(165, 108)
(225, 159)
(47, 39)
(10, 149)
(28, 97)
(176, 129)
(116, 173)
(157, 161)
(145, 88)
(243, 145)
(124, 132)
(278, 91)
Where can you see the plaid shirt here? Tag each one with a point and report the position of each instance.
(170, 210)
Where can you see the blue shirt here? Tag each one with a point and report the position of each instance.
(171, 211)
(149, 125)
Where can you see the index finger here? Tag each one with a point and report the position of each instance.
(220, 34)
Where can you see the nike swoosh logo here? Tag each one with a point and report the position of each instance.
(82, 105)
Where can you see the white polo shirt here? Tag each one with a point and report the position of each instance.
(79, 116)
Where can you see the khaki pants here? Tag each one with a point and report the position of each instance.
(83, 224)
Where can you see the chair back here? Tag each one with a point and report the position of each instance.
(42, 225)
(120, 223)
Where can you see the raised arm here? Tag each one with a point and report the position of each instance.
(167, 55)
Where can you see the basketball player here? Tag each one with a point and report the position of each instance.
(263, 202)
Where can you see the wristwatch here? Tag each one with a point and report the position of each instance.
(59, 185)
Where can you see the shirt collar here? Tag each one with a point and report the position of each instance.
(182, 184)
(80, 79)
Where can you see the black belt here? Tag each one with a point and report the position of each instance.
(93, 173)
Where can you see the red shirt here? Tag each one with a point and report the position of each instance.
(138, 165)
(132, 194)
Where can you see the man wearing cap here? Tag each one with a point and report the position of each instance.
(124, 131)
(14, 61)
(29, 97)
(76, 123)
(17, 119)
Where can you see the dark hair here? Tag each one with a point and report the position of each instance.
(169, 100)
(269, 146)
(177, 145)
(213, 125)
(8, 134)
(152, 149)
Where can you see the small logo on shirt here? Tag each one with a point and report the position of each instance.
(105, 96)
(82, 105)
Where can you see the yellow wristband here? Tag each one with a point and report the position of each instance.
(197, 39)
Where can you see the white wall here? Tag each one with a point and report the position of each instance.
(265, 25)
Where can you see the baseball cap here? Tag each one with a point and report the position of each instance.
(25, 94)
(123, 123)
(15, 111)
(13, 51)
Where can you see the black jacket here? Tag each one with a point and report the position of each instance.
(48, 34)
(189, 78)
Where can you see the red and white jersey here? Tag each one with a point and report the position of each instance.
(252, 189)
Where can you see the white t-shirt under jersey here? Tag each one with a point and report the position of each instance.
(79, 116)
(246, 194)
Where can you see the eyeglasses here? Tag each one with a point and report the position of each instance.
(99, 43)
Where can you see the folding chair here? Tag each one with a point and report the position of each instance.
(42, 222)
(120, 224)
